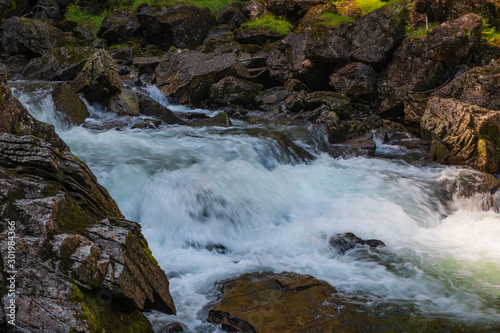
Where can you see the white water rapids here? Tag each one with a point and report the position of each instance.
(215, 203)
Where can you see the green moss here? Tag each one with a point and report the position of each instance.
(331, 20)
(71, 218)
(132, 237)
(270, 23)
(83, 17)
(103, 316)
(490, 33)
(422, 31)
(368, 6)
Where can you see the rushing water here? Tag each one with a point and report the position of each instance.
(215, 203)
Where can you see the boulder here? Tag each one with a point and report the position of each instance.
(220, 39)
(30, 37)
(463, 134)
(232, 15)
(59, 64)
(303, 102)
(288, 58)
(15, 119)
(255, 9)
(445, 10)
(342, 243)
(221, 119)
(272, 99)
(125, 104)
(74, 250)
(370, 39)
(354, 79)
(181, 26)
(312, 18)
(426, 62)
(289, 302)
(186, 77)
(360, 146)
(341, 131)
(99, 79)
(150, 107)
(231, 90)
(145, 65)
(119, 26)
(73, 109)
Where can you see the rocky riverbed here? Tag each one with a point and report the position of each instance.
(204, 99)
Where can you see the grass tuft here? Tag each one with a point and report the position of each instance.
(490, 34)
(271, 23)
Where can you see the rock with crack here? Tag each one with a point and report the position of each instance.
(80, 266)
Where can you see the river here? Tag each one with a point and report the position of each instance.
(215, 203)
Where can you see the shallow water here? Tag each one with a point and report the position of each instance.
(216, 203)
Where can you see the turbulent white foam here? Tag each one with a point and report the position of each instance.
(199, 189)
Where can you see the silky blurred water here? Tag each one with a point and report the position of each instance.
(216, 203)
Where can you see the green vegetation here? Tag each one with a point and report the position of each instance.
(271, 23)
(83, 17)
(410, 33)
(490, 34)
(367, 6)
(331, 20)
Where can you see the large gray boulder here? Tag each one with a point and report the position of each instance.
(59, 64)
(426, 62)
(181, 26)
(30, 37)
(98, 80)
(119, 26)
(186, 77)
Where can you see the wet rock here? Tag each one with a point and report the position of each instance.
(425, 63)
(125, 104)
(303, 102)
(172, 328)
(342, 243)
(340, 131)
(16, 64)
(354, 79)
(74, 250)
(99, 79)
(30, 37)
(15, 119)
(181, 26)
(68, 103)
(142, 123)
(289, 302)
(360, 146)
(232, 15)
(271, 99)
(380, 30)
(59, 64)
(186, 77)
(150, 107)
(221, 119)
(231, 90)
(119, 26)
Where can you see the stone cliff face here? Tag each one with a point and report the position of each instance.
(80, 266)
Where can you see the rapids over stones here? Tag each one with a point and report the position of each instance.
(331, 176)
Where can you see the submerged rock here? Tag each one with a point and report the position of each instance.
(359, 146)
(150, 107)
(289, 302)
(342, 243)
